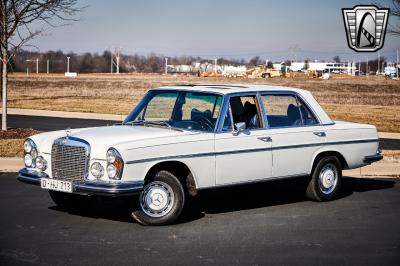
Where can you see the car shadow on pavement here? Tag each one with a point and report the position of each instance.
(227, 199)
(109, 208)
(266, 194)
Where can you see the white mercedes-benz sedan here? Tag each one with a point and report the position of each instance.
(182, 139)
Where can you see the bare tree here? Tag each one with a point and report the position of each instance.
(393, 29)
(16, 18)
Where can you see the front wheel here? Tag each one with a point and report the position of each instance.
(325, 179)
(161, 201)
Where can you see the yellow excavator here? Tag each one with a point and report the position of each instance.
(263, 72)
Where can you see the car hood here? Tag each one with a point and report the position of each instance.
(102, 138)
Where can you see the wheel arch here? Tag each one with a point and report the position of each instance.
(324, 153)
(178, 168)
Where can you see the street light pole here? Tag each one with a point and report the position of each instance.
(48, 66)
(68, 64)
(166, 65)
(37, 65)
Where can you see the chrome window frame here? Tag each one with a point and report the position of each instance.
(226, 108)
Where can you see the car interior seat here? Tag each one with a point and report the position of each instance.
(250, 116)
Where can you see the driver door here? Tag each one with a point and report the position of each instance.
(246, 155)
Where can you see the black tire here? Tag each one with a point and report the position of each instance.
(166, 185)
(325, 179)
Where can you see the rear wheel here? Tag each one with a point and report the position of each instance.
(325, 179)
(161, 201)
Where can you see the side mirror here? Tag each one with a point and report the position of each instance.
(239, 127)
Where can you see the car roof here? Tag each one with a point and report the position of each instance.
(230, 88)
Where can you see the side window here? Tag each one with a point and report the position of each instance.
(244, 109)
(285, 111)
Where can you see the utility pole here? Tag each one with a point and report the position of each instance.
(68, 64)
(215, 65)
(37, 65)
(166, 65)
(48, 66)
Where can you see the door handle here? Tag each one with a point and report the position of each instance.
(265, 139)
(320, 134)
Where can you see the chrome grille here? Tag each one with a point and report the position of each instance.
(69, 162)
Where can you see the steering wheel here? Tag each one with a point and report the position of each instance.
(204, 122)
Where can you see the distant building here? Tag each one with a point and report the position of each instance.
(330, 67)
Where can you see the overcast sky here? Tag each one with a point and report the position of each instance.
(207, 28)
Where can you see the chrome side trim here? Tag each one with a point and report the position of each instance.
(184, 156)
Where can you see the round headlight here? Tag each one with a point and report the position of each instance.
(97, 170)
(111, 171)
(28, 146)
(41, 163)
(34, 153)
(28, 160)
(111, 156)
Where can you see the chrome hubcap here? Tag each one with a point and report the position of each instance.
(328, 178)
(157, 199)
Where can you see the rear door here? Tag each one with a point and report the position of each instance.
(295, 132)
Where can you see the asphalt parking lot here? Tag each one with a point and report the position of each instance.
(267, 223)
(44, 123)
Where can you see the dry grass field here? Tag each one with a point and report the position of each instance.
(373, 100)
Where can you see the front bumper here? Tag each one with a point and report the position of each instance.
(103, 188)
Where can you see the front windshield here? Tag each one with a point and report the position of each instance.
(178, 109)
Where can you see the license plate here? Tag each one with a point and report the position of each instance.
(57, 185)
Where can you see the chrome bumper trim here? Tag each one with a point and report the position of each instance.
(88, 187)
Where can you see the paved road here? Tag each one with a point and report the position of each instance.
(44, 123)
(269, 223)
